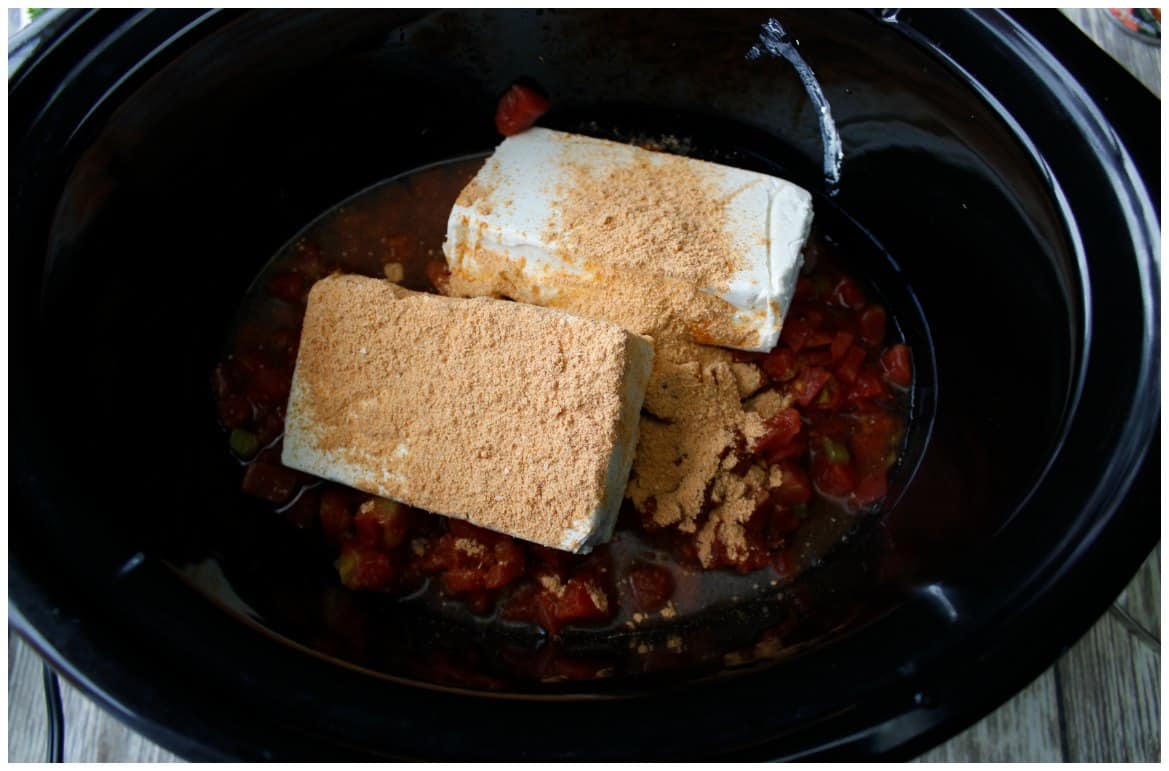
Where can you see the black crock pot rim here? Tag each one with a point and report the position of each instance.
(30, 598)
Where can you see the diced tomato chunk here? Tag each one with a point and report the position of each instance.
(508, 564)
(796, 487)
(270, 482)
(819, 340)
(382, 522)
(270, 385)
(582, 600)
(651, 586)
(896, 366)
(813, 358)
(793, 449)
(850, 365)
(866, 386)
(781, 429)
(872, 325)
(835, 479)
(463, 581)
(841, 344)
(847, 294)
(795, 333)
(234, 411)
(780, 364)
(367, 529)
(364, 569)
(519, 108)
(395, 527)
(808, 384)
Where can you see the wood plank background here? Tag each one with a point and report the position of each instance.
(1100, 702)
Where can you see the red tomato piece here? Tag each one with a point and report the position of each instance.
(896, 365)
(780, 365)
(807, 385)
(463, 581)
(820, 358)
(794, 333)
(519, 108)
(872, 325)
(781, 429)
(508, 565)
(793, 449)
(364, 569)
(367, 528)
(234, 411)
(270, 482)
(582, 600)
(270, 385)
(395, 528)
(819, 340)
(383, 522)
(847, 294)
(835, 479)
(867, 386)
(651, 586)
(841, 344)
(850, 365)
(871, 488)
(796, 487)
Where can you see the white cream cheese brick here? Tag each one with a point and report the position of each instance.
(551, 212)
(517, 418)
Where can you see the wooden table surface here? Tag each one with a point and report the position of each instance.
(1100, 702)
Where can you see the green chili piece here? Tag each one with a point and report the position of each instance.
(243, 443)
(835, 452)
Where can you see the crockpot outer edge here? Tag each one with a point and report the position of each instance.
(190, 733)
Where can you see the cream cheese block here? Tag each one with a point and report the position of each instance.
(517, 418)
(524, 229)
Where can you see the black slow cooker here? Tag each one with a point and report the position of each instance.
(1007, 169)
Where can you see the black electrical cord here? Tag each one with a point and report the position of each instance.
(56, 714)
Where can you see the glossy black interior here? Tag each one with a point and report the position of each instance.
(1009, 245)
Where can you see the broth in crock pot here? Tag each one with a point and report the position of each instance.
(842, 372)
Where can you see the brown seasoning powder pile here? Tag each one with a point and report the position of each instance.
(628, 227)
